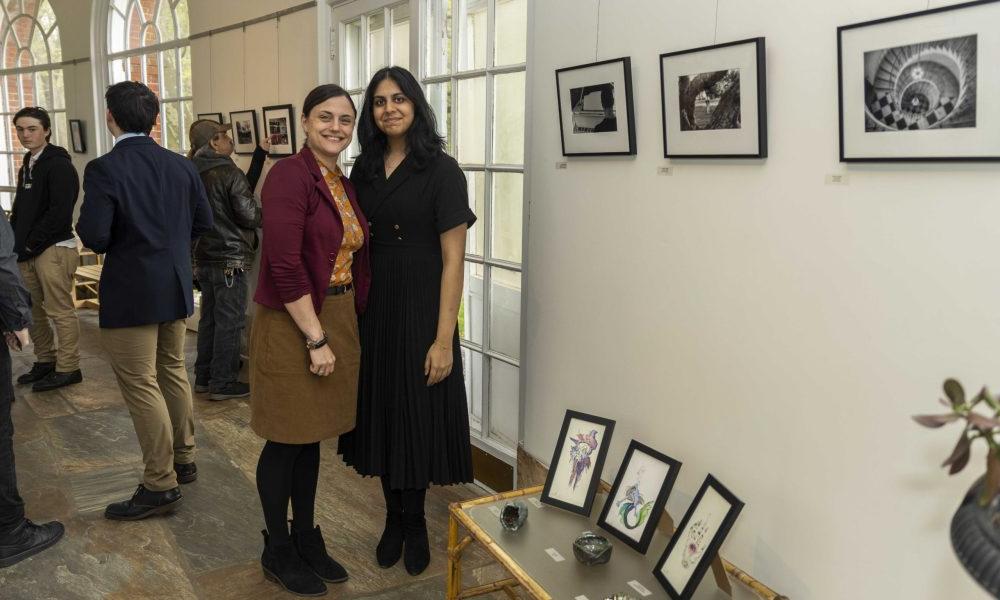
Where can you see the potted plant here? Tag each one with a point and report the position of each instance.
(975, 527)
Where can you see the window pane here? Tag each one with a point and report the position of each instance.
(354, 149)
(116, 32)
(6, 200)
(187, 107)
(511, 31)
(185, 70)
(401, 36)
(506, 221)
(6, 172)
(376, 43)
(39, 49)
(437, 33)
(172, 126)
(58, 90)
(505, 312)
(55, 46)
(60, 130)
(472, 364)
(168, 60)
(472, 35)
(470, 115)
(470, 321)
(118, 71)
(165, 22)
(352, 55)
(44, 81)
(504, 391)
(508, 119)
(181, 12)
(439, 97)
(477, 202)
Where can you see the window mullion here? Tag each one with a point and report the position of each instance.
(387, 38)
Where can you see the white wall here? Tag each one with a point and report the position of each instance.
(74, 20)
(754, 322)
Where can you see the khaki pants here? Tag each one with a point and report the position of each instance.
(149, 364)
(49, 279)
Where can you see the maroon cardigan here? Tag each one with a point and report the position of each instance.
(302, 236)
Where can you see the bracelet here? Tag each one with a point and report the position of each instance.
(442, 346)
(318, 343)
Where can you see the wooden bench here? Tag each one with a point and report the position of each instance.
(86, 279)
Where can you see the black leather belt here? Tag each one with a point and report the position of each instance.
(336, 290)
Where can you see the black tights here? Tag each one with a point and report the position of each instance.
(287, 471)
(403, 501)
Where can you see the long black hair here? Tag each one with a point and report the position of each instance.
(422, 139)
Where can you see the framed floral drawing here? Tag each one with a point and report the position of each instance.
(697, 539)
(918, 86)
(639, 495)
(575, 470)
(595, 108)
(244, 131)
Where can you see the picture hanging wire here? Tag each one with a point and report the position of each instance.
(715, 38)
(211, 77)
(597, 37)
(244, 65)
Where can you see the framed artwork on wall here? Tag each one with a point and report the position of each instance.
(697, 540)
(217, 117)
(714, 101)
(245, 133)
(595, 108)
(77, 137)
(575, 470)
(639, 495)
(280, 129)
(917, 87)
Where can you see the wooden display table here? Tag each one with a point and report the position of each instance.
(527, 556)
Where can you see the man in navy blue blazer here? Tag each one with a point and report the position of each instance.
(142, 207)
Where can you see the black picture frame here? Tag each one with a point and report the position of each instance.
(77, 136)
(244, 125)
(710, 550)
(555, 492)
(211, 116)
(583, 81)
(689, 140)
(874, 127)
(282, 138)
(657, 504)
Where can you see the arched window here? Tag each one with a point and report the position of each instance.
(30, 77)
(147, 41)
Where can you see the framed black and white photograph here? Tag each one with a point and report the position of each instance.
(245, 133)
(697, 540)
(77, 137)
(914, 87)
(595, 108)
(639, 495)
(217, 117)
(714, 101)
(577, 462)
(280, 129)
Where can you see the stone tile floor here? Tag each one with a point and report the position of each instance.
(76, 451)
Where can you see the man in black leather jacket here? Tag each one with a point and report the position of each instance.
(222, 259)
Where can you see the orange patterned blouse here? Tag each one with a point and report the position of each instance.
(354, 237)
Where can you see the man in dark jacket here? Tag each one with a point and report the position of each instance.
(42, 217)
(222, 258)
(142, 206)
(19, 537)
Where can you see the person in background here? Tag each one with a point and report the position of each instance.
(222, 258)
(142, 206)
(19, 537)
(42, 218)
(412, 419)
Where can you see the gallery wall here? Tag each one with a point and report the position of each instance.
(74, 21)
(753, 320)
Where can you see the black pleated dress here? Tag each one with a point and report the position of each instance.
(411, 433)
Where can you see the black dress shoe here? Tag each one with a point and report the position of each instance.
(236, 389)
(312, 549)
(416, 550)
(55, 380)
(186, 473)
(282, 564)
(38, 371)
(27, 540)
(144, 503)
(201, 383)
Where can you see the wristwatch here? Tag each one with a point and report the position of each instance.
(318, 343)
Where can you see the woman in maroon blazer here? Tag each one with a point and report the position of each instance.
(304, 352)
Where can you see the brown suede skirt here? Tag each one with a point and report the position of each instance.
(288, 403)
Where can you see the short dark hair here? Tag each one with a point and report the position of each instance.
(133, 106)
(422, 139)
(36, 112)
(321, 94)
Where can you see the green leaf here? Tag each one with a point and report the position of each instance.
(935, 421)
(953, 389)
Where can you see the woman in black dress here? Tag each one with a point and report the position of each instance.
(412, 425)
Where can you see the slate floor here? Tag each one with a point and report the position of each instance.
(76, 451)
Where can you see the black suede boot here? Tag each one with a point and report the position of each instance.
(390, 545)
(282, 564)
(312, 549)
(417, 552)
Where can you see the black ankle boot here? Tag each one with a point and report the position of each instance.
(312, 549)
(390, 546)
(282, 564)
(417, 553)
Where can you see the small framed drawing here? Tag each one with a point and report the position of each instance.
(714, 101)
(280, 128)
(595, 108)
(918, 87)
(217, 117)
(245, 133)
(639, 495)
(697, 539)
(77, 137)
(575, 470)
